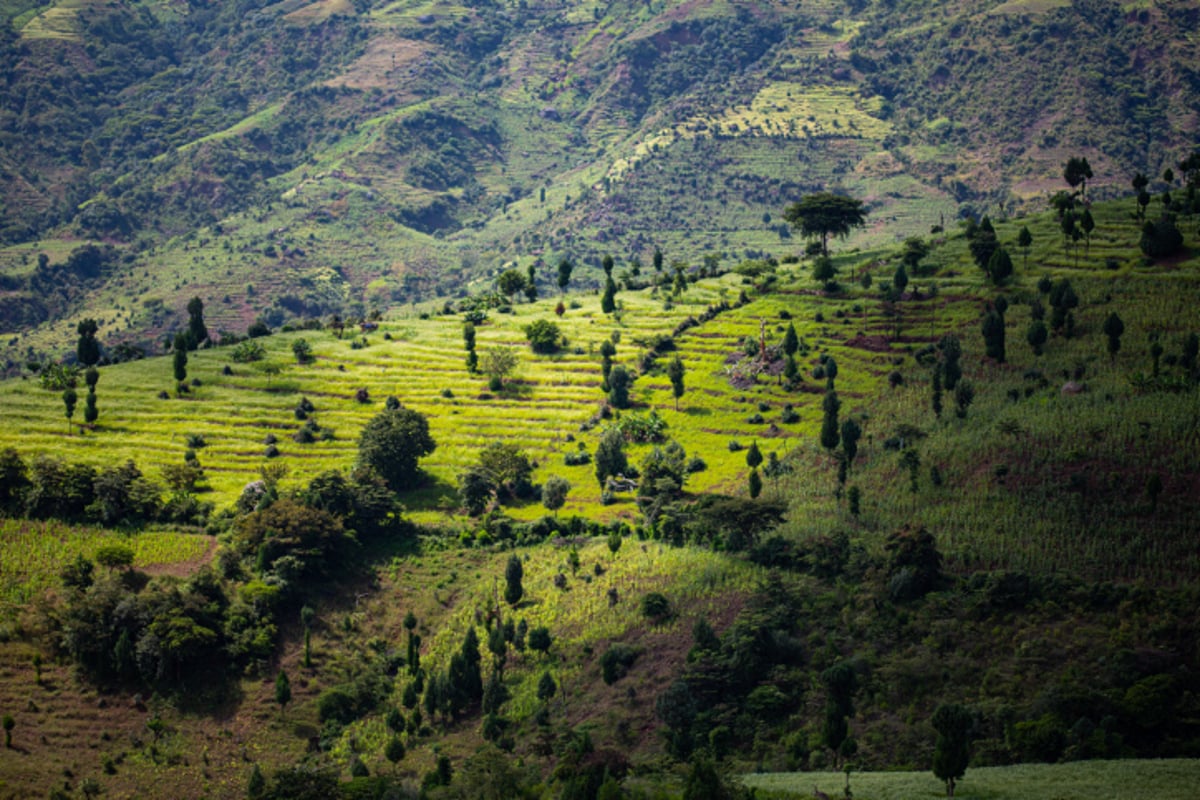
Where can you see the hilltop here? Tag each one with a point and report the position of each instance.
(294, 160)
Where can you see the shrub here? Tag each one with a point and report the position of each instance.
(616, 661)
(544, 336)
(656, 606)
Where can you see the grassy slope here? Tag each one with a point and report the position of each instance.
(446, 589)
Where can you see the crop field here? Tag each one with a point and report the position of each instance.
(35, 552)
(1168, 779)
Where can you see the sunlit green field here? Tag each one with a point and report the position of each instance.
(1169, 779)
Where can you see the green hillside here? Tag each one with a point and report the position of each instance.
(1027, 553)
(293, 160)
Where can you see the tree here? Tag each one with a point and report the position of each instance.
(1000, 266)
(197, 331)
(825, 214)
(675, 374)
(531, 292)
(1025, 241)
(1037, 336)
(851, 433)
(540, 639)
(1140, 182)
(392, 443)
(754, 484)
(1062, 300)
(900, 279)
(608, 301)
(619, 381)
(823, 270)
(510, 282)
(283, 691)
(564, 275)
(9, 724)
(607, 351)
(753, 456)
(829, 426)
(90, 412)
(180, 358)
(952, 748)
(546, 687)
(791, 342)
(1087, 224)
(513, 573)
(87, 349)
(1077, 172)
(982, 243)
(69, 398)
(1113, 328)
(507, 467)
(256, 786)
(993, 334)
(841, 682)
(469, 346)
(610, 455)
(302, 350)
(498, 363)
(394, 752)
(554, 493)
(544, 336)
(964, 394)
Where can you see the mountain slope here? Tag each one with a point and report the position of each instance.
(386, 152)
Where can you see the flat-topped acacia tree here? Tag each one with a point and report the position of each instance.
(824, 214)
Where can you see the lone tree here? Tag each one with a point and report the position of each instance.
(510, 282)
(829, 425)
(513, 573)
(70, 398)
(1025, 241)
(87, 349)
(675, 373)
(1077, 172)
(90, 412)
(610, 455)
(392, 443)
(283, 691)
(824, 214)
(564, 275)
(952, 749)
(180, 360)
(197, 331)
(554, 493)
(498, 364)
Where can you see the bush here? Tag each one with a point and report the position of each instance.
(656, 606)
(616, 661)
(577, 458)
(544, 336)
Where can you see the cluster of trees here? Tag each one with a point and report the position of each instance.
(49, 487)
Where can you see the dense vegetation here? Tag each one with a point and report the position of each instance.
(595, 401)
(879, 570)
(290, 160)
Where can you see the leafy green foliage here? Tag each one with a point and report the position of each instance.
(392, 443)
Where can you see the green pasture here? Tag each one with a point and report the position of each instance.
(1167, 779)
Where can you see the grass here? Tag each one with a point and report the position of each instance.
(35, 552)
(1169, 779)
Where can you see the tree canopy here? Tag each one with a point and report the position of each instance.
(392, 443)
(824, 214)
